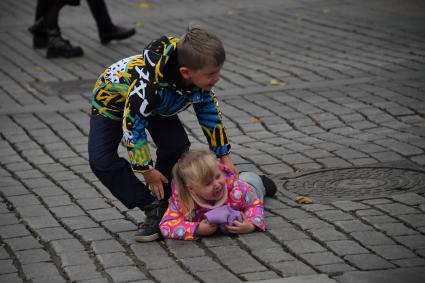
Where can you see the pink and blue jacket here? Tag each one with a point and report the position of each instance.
(240, 197)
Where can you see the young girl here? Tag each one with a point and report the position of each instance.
(200, 184)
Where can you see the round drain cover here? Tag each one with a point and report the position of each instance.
(354, 183)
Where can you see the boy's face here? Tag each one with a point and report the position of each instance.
(204, 78)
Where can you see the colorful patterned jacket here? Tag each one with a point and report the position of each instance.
(240, 197)
(134, 88)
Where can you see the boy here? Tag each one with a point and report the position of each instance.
(145, 92)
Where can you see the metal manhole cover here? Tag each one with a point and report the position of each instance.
(355, 183)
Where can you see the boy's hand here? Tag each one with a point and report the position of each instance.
(241, 227)
(154, 179)
(205, 228)
(226, 160)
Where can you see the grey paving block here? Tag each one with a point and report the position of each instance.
(335, 268)
(115, 259)
(325, 234)
(70, 258)
(82, 272)
(396, 209)
(67, 211)
(392, 252)
(32, 256)
(409, 198)
(353, 226)
(287, 234)
(372, 238)
(40, 222)
(50, 234)
(13, 231)
(293, 268)
(333, 215)
(269, 255)
(23, 243)
(66, 245)
(7, 267)
(395, 229)
(120, 225)
(10, 278)
(79, 222)
(179, 275)
(409, 262)
(199, 264)
(40, 270)
(106, 214)
(368, 262)
(346, 247)
(312, 223)
(93, 203)
(257, 276)
(415, 220)
(413, 242)
(322, 258)
(412, 275)
(229, 257)
(93, 234)
(304, 246)
(106, 246)
(292, 213)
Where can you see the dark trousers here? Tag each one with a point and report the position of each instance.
(49, 11)
(115, 172)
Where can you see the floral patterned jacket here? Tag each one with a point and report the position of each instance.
(240, 197)
(137, 87)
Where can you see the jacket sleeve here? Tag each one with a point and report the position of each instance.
(251, 205)
(209, 117)
(174, 226)
(139, 104)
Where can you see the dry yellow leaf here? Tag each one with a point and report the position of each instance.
(144, 5)
(303, 200)
(274, 82)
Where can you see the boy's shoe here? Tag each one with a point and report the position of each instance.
(117, 33)
(149, 230)
(60, 47)
(39, 34)
(269, 185)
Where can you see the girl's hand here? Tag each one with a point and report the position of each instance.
(227, 161)
(154, 179)
(205, 228)
(243, 227)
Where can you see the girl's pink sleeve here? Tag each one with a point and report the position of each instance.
(173, 224)
(251, 205)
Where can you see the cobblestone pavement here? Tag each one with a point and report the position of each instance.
(325, 96)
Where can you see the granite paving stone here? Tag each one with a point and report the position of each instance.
(293, 106)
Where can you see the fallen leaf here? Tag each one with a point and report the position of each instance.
(144, 5)
(39, 68)
(274, 82)
(255, 120)
(303, 200)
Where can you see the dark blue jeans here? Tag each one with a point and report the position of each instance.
(115, 172)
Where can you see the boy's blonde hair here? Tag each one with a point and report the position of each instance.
(195, 168)
(198, 48)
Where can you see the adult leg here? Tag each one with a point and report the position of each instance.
(38, 29)
(113, 171)
(107, 30)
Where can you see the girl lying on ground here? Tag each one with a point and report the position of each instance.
(206, 195)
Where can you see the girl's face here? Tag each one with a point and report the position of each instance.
(214, 189)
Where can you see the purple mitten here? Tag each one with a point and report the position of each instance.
(223, 215)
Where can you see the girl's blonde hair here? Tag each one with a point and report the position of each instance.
(195, 168)
(198, 48)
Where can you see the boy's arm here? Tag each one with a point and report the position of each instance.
(209, 118)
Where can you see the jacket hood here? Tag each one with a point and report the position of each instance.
(156, 55)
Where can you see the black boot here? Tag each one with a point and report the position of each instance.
(149, 230)
(60, 47)
(39, 34)
(269, 185)
(116, 33)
